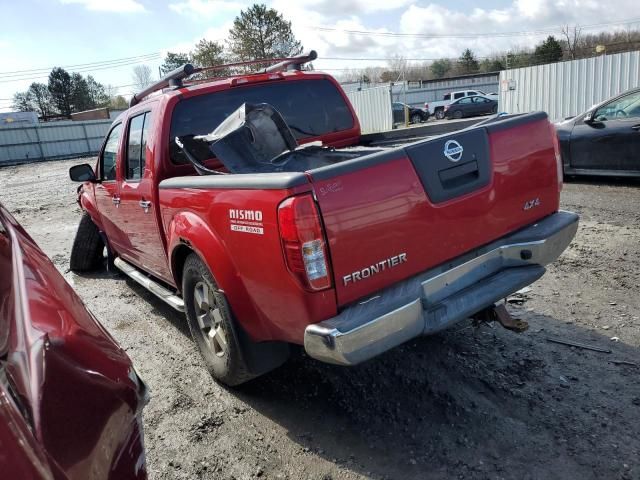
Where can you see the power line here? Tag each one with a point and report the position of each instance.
(469, 35)
(96, 63)
(80, 70)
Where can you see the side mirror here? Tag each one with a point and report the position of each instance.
(592, 119)
(588, 118)
(82, 173)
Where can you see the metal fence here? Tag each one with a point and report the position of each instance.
(568, 88)
(50, 141)
(373, 107)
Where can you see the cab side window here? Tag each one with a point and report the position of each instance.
(458, 95)
(110, 154)
(137, 146)
(624, 107)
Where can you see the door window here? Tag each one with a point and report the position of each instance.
(624, 107)
(136, 146)
(447, 96)
(458, 95)
(471, 92)
(465, 101)
(110, 154)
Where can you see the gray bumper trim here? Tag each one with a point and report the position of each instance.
(441, 297)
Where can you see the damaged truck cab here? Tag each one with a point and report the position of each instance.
(248, 203)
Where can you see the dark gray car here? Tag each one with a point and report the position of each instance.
(471, 107)
(415, 114)
(605, 140)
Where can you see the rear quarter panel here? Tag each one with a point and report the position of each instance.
(264, 297)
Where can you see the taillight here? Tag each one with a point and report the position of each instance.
(303, 242)
(556, 151)
(446, 107)
(426, 106)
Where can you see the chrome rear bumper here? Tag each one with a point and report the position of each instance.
(441, 297)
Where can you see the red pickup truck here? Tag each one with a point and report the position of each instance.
(218, 197)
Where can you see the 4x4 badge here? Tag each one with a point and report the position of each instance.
(453, 150)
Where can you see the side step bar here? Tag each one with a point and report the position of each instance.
(158, 290)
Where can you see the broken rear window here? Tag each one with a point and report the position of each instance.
(309, 107)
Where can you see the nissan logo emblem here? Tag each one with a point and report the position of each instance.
(453, 150)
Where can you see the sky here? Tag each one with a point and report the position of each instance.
(41, 34)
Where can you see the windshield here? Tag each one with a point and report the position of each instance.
(309, 107)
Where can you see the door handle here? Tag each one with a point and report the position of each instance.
(116, 200)
(145, 205)
(636, 127)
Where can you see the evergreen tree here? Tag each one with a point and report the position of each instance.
(208, 54)
(61, 89)
(467, 62)
(549, 51)
(97, 93)
(173, 61)
(80, 97)
(261, 32)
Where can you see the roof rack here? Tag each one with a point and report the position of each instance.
(175, 77)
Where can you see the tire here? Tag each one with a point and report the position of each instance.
(440, 114)
(457, 114)
(211, 324)
(416, 118)
(87, 253)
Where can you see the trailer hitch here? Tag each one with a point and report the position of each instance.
(498, 313)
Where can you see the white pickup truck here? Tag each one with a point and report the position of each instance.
(437, 108)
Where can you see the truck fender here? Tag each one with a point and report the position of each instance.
(187, 229)
(87, 201)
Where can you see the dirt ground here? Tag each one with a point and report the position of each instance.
(472, 403)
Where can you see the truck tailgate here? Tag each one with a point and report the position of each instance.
(393, 214)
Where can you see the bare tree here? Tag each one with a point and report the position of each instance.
(573, 36)
(141, 77)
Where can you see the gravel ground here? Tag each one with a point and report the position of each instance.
(474, 402)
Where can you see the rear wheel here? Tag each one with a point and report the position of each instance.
(416, 118)
(211, 324)
(87, 252)
(440, 114)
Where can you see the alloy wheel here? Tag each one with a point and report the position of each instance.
(210, 319)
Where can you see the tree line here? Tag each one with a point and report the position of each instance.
(262, 32)
(64, 94)
(571, 45)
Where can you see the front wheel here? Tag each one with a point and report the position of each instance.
(87, 252)
(211, 324)
(439, 114)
